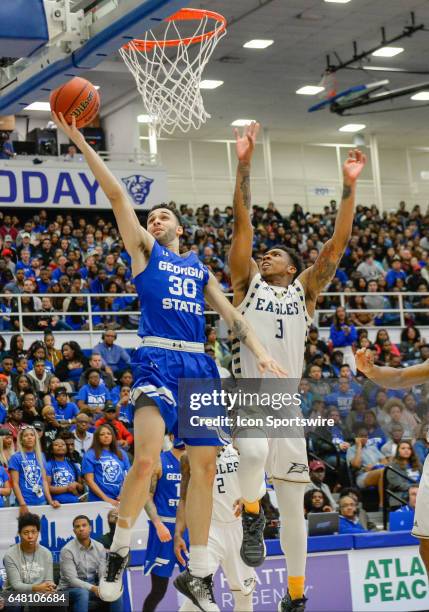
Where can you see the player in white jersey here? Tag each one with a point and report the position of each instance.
(279, 298)
(392, 378)
(226, 531)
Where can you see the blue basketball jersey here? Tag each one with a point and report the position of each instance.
(171, 293)
(167, 494)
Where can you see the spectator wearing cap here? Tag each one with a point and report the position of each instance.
(7, 255)
(111, 413)
(317, 477)
(395, 272)
(14, 422)
(113, 355)
(65, 411)
(93, 396)
(64, 477)
(349, 519)
(83, 437)
(96, 362)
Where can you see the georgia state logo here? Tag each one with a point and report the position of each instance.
(32, 474)
(138, 187)
(62, 477)
(111, 471)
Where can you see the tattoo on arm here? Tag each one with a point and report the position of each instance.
(150, 506)
(185, 470)
(245, 184)
(240, 330)
(347, 192)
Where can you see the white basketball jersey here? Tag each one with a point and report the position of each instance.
(226, 488)
(280, 319)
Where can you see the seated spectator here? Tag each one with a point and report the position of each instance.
(105, 456)
(5, 488)
(52, 427)
(396, 434)
(223, 372)
(222, 354)
(412, 498)
(40, 376)
(362, 514)
(421, 445)
(93, 396)
(28, 565)
(49, 397)
(375, 433)
(112, 519)
(366, 461)
(69, 439)
(78, 304)
(38, 351)
(53, 354)
(64, 477)
(125, 379)
(395, 272)
(406, 463)
(380, 340)
(349, 521)
(72, 364)
(410, 345)
(82, 563)
(316, 501)
(8, 398)
(16, 349)
(14, 422)
(65, 411)
(7, 366)
(96, 363)
(317, 384)
(359, 407)
(371, 270)
(125, 407)
(27, 471)
(343, 335)
(113, 355)
(394, 412)
(111, 413)
(341, 398)
(83, 437)
(317, 476)
(314, 340)
(29, 407)
(361, 318)
(7, 448)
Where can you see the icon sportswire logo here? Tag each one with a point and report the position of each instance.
(138, 187)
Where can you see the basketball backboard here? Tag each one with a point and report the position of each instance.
(79, 34)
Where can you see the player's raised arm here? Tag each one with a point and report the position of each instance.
(315, 278)
(241, 328)
(240, 255)
(179, 542)
(391, 378)
(161, 530)
(137, 240)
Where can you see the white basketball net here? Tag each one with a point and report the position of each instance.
(168, 77)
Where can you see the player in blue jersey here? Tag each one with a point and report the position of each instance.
(161, 508)
(172, 291)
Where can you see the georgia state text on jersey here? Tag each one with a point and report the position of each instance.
(226, 487)
(280, 318)
(171, 293)
(167, 493)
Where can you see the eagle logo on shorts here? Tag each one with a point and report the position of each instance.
(138, 187)
(297, 468)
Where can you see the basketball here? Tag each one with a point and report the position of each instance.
(76, 98)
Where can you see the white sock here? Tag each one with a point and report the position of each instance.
(243, 603)
(121, 540)
(199, 561)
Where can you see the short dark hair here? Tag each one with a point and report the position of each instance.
(91, 371)
(81, 517)
(168, 207)
(28, 520)
(293, 255)
(359, 427)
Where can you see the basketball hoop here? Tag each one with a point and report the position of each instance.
(168, 70)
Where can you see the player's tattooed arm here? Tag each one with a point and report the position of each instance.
(150, 507)
(242, 266)
(185, 470)
(138, 242)
(391, 378)
(315, 278)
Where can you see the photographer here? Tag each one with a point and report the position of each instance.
(6, 147)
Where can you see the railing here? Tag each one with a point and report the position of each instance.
(387, 493)
(5, 299)
(139, 157)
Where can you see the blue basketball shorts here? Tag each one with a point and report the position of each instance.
(160, 558)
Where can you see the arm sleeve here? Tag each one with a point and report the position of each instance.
(87, 464)
(124, 356)
(69, 571)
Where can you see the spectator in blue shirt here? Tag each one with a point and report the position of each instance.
(126, 408)
(342, 398)
(421, 445)
(395, 272)
(375, 433)
(113, 355)
(64, 477)
(5, 488)
(65, 411)
(27, 469)
(412, 498)
(92, 396)
(343, 335)
(105, 466)
(349, 522)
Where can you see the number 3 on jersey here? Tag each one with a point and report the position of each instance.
(279, 333)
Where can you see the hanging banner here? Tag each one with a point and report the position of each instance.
(70, 185)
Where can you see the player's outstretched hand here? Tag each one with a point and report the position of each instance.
(163, 533)
(245, 142)
(69, 130)
(364, 360)
(268, 364)
(180, 549)
(354, 165)
(237, 507)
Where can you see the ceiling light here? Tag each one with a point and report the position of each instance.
(258, 44)
(388, 51)
(39, 106)
(422, 95)
(146, 118)
(309, 90)
(338, 1)
(96, 86)
(352, 127)
(242, 122)
(208, 84)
